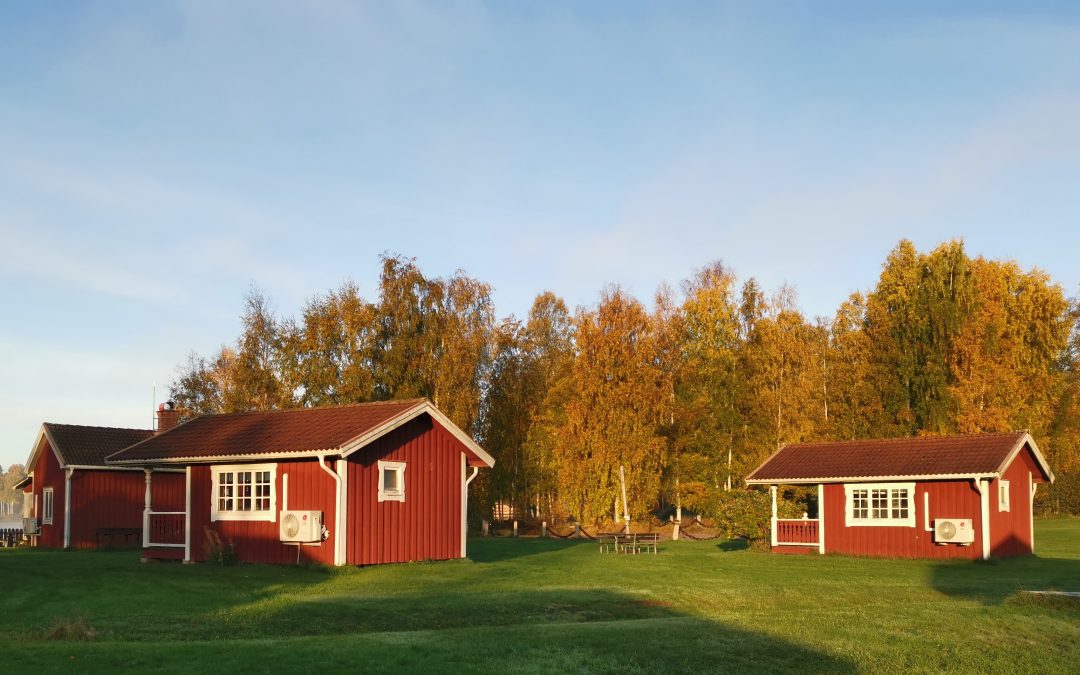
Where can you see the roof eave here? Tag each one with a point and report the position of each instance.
(870, 479)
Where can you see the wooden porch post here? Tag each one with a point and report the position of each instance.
(821, 518)
(772, 493)
(187, 514)
(146, 512)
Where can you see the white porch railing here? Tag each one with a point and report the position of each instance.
(167, 529)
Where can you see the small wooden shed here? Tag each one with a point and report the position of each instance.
(385, 482)
(75, 500)
(965, 496)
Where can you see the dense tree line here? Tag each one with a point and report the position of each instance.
(687, 396)
(11, 500)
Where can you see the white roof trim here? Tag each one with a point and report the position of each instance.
(216, 459)
(870, 479)
(345, 450)
(44, 435)
(407, 416)
(1039, 459)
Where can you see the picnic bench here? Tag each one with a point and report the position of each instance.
(629, 542)
(111, 533)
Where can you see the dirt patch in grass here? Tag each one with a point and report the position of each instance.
(70, 629)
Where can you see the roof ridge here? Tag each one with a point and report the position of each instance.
(906, 439)
(336, 406)
(94, 426)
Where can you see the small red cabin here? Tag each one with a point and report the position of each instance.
(967, 496)
(355, 484)
(72, 498)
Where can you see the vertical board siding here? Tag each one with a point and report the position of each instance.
(427, 525)
(48, 474)
(310, 489)
(1010, 531)
(948, 499)
(116, 499)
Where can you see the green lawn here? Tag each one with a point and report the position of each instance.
(544, 606)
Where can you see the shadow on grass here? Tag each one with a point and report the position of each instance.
(489, 550)
(577, 630)
(997, 581)
(731, 545)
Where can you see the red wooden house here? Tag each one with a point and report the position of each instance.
(355, 484)
(965, 496)
(74, 499)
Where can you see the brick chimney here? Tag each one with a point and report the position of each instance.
(167, 416)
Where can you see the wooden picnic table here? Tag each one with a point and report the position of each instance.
(629, 542)
(113, 532)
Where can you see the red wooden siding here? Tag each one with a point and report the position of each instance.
(98, 499)
(427, 525)
(310, 488)
(948, 499)
(47, 473)
(1010, 531)
(116, 499)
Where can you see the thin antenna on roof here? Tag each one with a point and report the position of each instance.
(153, 404)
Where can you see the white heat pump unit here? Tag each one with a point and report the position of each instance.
(301, 526)
(30, 526)
(953, 531)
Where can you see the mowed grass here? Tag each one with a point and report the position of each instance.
(521, 606)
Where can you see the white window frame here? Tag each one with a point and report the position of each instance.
(48, 505)
(851, 521)
(1003, 495)
(387, 495)
(216, 513)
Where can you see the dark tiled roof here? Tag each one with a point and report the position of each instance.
(89, 446)
(921, 456)
(301, 430)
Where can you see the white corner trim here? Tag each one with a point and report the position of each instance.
(926, 512)
(983, 486)
(67, 506)
(343, 512)
(269, 515)
(851, 521)
(821, 518)
(1032, 487)
(337, 510)
(391, 496)
(187, 514)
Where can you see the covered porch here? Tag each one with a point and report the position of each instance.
(798, 535)
(166, 532)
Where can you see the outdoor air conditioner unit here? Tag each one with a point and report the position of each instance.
(301, 526)
(953, 531)
(30, 526)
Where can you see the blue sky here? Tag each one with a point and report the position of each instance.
(156, 159)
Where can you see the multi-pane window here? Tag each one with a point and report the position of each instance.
(244, 493)
(860, 504)
(881, 504)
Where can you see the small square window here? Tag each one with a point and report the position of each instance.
(391, 481)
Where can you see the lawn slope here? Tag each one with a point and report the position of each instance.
(547, 606)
